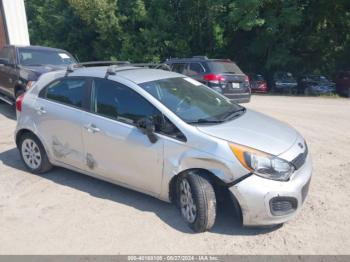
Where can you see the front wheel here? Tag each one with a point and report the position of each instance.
(197, 202)
(33, 154)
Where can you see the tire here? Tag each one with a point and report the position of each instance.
(33, 154)
(19, 92)
(200, 212)
(307, 91)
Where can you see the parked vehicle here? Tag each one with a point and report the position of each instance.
(284, 82)
(343, 83)
(222, 75)
(315, 85)
(257, 83)
(167, 135)
(21, 66)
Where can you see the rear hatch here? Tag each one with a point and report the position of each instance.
(233, 79)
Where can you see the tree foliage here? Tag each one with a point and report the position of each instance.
(261, 35)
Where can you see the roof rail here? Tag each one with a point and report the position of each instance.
(113, 69)
(72, 67)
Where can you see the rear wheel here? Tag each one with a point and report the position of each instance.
(33, 154)
(19, 92)
(197, 202)
(307, 91)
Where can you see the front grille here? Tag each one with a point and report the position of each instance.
(280, 206)
(305, 190)
(300, 159)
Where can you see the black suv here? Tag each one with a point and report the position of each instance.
(222, 75)
(21, 66)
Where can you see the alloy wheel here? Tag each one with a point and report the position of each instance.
(188, 207)
(31, 153)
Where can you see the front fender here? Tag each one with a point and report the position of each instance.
(180, 158)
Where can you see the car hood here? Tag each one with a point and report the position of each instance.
(255, 130)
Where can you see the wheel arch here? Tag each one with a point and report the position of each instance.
(20, 133)
(207, 174)
(221, 189)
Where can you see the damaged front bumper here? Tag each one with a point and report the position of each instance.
(268, 202)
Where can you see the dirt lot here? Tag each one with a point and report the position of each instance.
(65, 212)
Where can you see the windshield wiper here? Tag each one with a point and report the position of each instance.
(234, 113)
(205, 121)
(34, 65)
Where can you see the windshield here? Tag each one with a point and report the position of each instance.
(257, 77)
(192, 101)
(221, 67)
(318, 78)
(36, 57)
(284, 76)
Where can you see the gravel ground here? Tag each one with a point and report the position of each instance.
(65, 212)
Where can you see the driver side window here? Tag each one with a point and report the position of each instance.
(118, 102)
(8, 54)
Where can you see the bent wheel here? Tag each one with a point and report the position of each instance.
(197, 202)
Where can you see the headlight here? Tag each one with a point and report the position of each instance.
(262, 164)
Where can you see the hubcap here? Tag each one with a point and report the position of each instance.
(31, 153)
(188, 207)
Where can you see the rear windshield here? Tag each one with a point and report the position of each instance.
(37, 57)
(284, 76)
(221, 67)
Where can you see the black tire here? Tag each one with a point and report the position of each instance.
(44, 164)
(307, 91)
(19, 92)
(204, 199)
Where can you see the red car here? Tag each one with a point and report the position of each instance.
(343, 83)
(258, 83)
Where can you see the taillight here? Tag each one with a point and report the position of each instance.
(19, 102)
(213, 78)
(262, 86)
(246, 81)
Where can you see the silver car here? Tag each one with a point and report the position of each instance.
(166, 135)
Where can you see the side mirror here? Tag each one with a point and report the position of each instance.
(147, 127)
(3, 61)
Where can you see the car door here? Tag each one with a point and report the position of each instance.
(8, 72)
(115, 147)
(60, 118)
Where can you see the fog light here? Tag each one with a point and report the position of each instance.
(280, 206)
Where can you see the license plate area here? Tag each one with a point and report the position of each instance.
(234, 85)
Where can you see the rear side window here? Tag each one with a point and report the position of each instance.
(67, 91)
(179, 68)
(195, 69)
(119, 102)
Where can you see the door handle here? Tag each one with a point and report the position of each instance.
(92, 128)
(40, 110)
